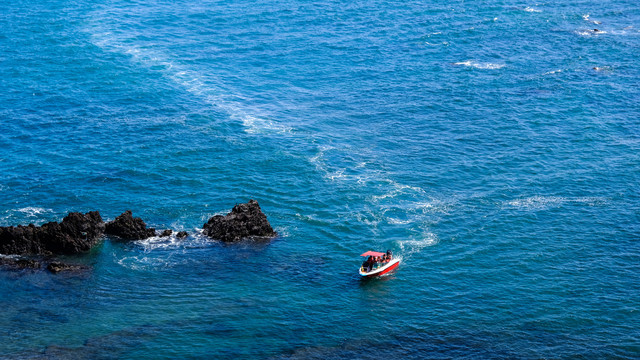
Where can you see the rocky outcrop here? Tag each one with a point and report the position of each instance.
(76, 233)
(245, 221)
(127, 227)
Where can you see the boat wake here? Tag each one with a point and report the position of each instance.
(410, 247)
(209, 88)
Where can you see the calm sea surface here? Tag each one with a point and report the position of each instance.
(493, 145)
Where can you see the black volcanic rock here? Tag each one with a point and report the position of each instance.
(76, 233)
(244, 221)
(182, 234)
(127, 227)
(166, 233)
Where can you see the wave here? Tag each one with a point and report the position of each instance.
(590, 32)
(31, 211)
(530, 9)
(480, 65)
(553, 72)
(163, 252)
(31, 214)
(605, 69)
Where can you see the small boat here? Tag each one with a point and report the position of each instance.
(380, 268)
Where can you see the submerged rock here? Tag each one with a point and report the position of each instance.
(56, 267)
(127, 227)
(182, 234)
(76, 233)
(19, 264)
(244, 221)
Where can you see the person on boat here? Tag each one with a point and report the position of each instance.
(366, 265)
(389, 255)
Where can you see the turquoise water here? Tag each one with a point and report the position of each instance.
(494, 146)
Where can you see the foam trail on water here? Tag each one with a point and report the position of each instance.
(209, 88)
(412, 246)
(407, 211)
(538, 202)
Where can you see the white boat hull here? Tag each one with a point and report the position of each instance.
(391, 265)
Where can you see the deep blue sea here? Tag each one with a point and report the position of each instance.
(493, 145)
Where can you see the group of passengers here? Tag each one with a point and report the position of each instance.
(374, 262)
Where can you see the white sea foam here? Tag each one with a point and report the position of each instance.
(320, 162)
(603, 68)
(33, 211)
(553, 72)
(254, 125)
(590, 32)
(412, 246)
(157, 242)
(396, 189)
(530, 9)
(586, 18)
(143, 263)
(480, 65)
(547, 202)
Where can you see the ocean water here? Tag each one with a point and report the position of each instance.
(493, 145)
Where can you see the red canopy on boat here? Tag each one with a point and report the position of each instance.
(372, 253)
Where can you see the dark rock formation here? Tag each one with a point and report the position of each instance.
(76, 233)
(182, 234)
(166, 233)
(127, 227)
(56, 267)
(244, 221)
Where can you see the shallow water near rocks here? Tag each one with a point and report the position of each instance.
(493, 146)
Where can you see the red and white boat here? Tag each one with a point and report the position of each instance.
(381, 269)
